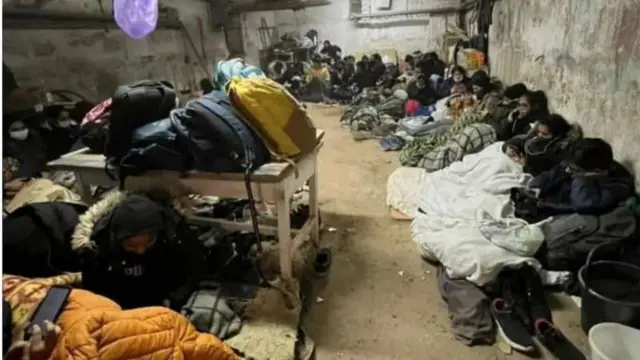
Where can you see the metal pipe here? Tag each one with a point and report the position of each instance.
(431, 11)
(254, 6)
(38, 19)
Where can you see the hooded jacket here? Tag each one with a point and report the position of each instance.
(94, 327)
(562, 193)
(168, 270)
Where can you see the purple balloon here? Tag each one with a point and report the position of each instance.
(137, 18)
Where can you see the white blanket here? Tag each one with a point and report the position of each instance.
(467, 221)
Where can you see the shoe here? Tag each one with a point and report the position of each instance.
(509, 326)
(552, 339)
(536, 297)
(322, 263)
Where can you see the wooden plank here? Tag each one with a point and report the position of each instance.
(271, 172)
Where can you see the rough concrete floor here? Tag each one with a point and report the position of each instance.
(381, 301)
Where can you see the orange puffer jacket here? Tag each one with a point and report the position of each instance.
(94, 327)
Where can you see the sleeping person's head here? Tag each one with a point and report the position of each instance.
(136, 223)
(590, 156)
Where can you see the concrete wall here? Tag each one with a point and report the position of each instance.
(585, 54)
(404, 33)
(94, 62)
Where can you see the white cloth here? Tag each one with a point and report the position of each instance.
(468, 222)
(403, 189)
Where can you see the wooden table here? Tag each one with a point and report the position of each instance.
(273, 183)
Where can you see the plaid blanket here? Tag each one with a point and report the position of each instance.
(472, 139)
(412, 153)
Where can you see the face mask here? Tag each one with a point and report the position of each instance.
(537, 145)
(19, 134)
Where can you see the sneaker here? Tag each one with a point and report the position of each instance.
(536, 297)
(322, 263)
(510, 329)
(552, 339)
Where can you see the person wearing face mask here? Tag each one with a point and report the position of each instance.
(421, 91)
(27, 147)
(458, 77)
(532, 106)
(545, 145)
(589, 182)
(135, 250)
(507, 104)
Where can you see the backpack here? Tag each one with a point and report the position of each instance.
(234, 68)
(154, 146)
(37, 239)
(275, 114)
(133, 106)
(570, 238)
(218, 140)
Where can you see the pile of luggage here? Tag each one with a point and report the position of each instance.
(250, 122)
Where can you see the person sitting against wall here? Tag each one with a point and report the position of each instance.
(508, 103)
(532, 106)
(589, 182)
(458, 77)
(136, 250)
(547, 144)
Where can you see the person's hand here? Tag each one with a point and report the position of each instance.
(515, 114)
(14, 186)
(39, 346)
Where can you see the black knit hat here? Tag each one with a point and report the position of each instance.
(515, 91)
(480, 78)
(592, 154)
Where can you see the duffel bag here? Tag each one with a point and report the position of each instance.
(275, 114)
(217, 138)
(95, 125)
(133, 106)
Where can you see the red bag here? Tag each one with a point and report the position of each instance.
(95, 126)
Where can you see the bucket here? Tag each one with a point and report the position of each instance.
(611, 341)
(610, 292)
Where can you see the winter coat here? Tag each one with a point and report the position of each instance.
(564, 193)
(94, 327)
(166, 271)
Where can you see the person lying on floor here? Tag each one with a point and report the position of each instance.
(93, 327)
(136, 250)
(589, 182)
(532, 106)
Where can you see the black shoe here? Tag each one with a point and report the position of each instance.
(536, 297)
(510, 327)
(552, 339)
(322, 263)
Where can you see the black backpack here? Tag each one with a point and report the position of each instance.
(133, 106)
(218, 139)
